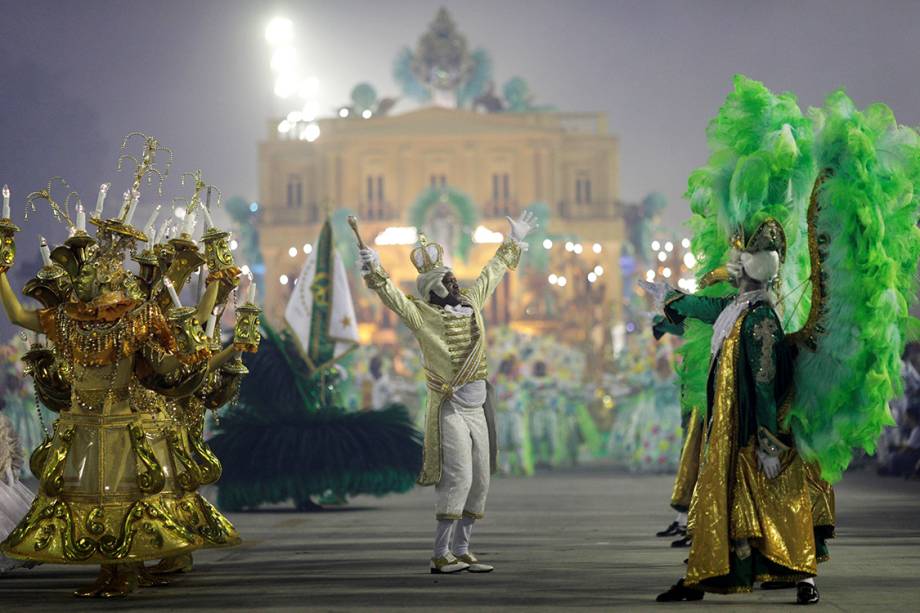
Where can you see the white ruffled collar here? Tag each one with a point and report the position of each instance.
(461, 310)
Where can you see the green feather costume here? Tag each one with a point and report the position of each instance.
(841, 185)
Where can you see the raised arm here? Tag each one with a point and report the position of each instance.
(378, 280)
(678, 306)
(506, 258)
(18, 314)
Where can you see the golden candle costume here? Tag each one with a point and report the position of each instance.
(119, 476)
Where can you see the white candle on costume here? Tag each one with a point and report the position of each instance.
(202, 275)
(6, 202)
(81, 219)
(149, 228)
(46, 252)
(132, 206)
(172, 293)
(164, 231)
(251, 298)
(100, 199)
(209, 223)
(212, 322)
(188, 226)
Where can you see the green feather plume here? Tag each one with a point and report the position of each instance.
(868, 215)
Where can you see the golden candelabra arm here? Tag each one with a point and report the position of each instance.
(145, 165)
(208, 200)
(60, 213)
(195, 201)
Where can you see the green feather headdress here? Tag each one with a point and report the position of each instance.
(843, 185)
(761, 168)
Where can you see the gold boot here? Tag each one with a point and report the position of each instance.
(123, 582)
(145, 578)
(91, 591)
(181, 563)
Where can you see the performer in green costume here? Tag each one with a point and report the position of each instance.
(814, 220)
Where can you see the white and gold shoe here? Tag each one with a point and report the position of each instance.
(447, 564)
(475, 566)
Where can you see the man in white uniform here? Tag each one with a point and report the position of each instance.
(460, 442)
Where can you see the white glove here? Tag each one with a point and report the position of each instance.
(522, 226)
(369, 258)
(657, 291)
(769, 465)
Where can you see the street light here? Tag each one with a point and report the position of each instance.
(311, 132)
(292, 252)
(284, 60)
(280, 31)
(547, 244)
(283, 279)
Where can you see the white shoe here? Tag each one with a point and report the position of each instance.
(447, 564)
(475, 566)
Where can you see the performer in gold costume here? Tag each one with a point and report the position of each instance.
(751, 509)
(118, 477)
(460, 444)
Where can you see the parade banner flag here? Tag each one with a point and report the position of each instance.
(320, 313)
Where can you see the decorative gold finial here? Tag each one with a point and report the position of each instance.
(145, 165)
(60, 213)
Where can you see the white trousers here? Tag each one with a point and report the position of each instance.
(464, 482)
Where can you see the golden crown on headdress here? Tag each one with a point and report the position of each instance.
(427, 255)
(769, 236)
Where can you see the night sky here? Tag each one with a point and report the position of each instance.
(76, 76)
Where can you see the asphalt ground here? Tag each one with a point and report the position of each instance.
(560, 541)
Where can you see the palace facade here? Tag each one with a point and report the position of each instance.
(455, 174)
